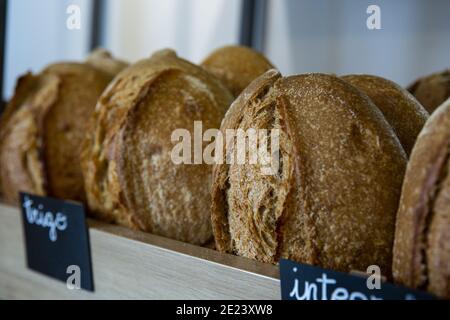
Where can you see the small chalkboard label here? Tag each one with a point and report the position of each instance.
(306, 282)
(57, 240)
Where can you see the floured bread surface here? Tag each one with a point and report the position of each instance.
(432, 90)
(403, 112)
(129, 173)
(236, 66)
(421, 248)
(334, 198)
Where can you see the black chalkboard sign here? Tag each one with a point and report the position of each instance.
(57, 240)
(306, 282)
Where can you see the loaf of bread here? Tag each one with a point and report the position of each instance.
(103, 60)
(334, 198)
(43, 127)
(403, 112)
(422, 239)
(130, 178)
(236, 66)
(432, 90)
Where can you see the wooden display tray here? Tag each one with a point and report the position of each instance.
(136, 265)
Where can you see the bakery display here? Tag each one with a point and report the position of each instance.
(236, 66)
(42, 129)
(403, 112)
(422, 239)
(432, 90)
(334, 199)
(130, 177)
(103, 132)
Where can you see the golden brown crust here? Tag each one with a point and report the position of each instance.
(104, 61)
(24, 84)
(42, 130)
(129, 175)
(21, 136)
(64, 126)
(421, 247)
(236, 66)
(403, 112)
(432, 90)
(334, 200)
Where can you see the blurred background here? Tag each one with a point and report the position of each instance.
(296, 35)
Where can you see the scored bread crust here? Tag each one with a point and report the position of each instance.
(42, 130)
(334, 199)
(421, 248)
(65, 125)
(432, 90)
(21, 136)
(129, 175)
(236, 66)
(403, 112)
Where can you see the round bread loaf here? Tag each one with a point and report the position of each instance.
(422, 239)
(130, 177)
(333, 200)
(403, 112)
(432, 90)
(103, 60)
(42, 130)
(236, 66)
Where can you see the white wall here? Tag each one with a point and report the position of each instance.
(37, 35)
(136, 28)
(301, 35)
(331, 36)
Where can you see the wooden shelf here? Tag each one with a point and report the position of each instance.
(136, 265)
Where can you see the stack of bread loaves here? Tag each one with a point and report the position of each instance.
(130, 177)
(334, 199)
(102, 132)
(44, 124)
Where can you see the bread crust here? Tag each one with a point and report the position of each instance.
(236, 66)
(21, 148)
(432, 90)
(403, 112)
(42, 129)
(103, 60)
(64, 126)
(129, 176)
(337, 192)
(421, 248)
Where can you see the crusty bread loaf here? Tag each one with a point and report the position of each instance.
(432, 90)
(43, 127)
(422, 239)
(333, 201)
(21, 164)
(236, 66)
(103, 60)
(65, 126)
(130, 177)
(403, 112)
